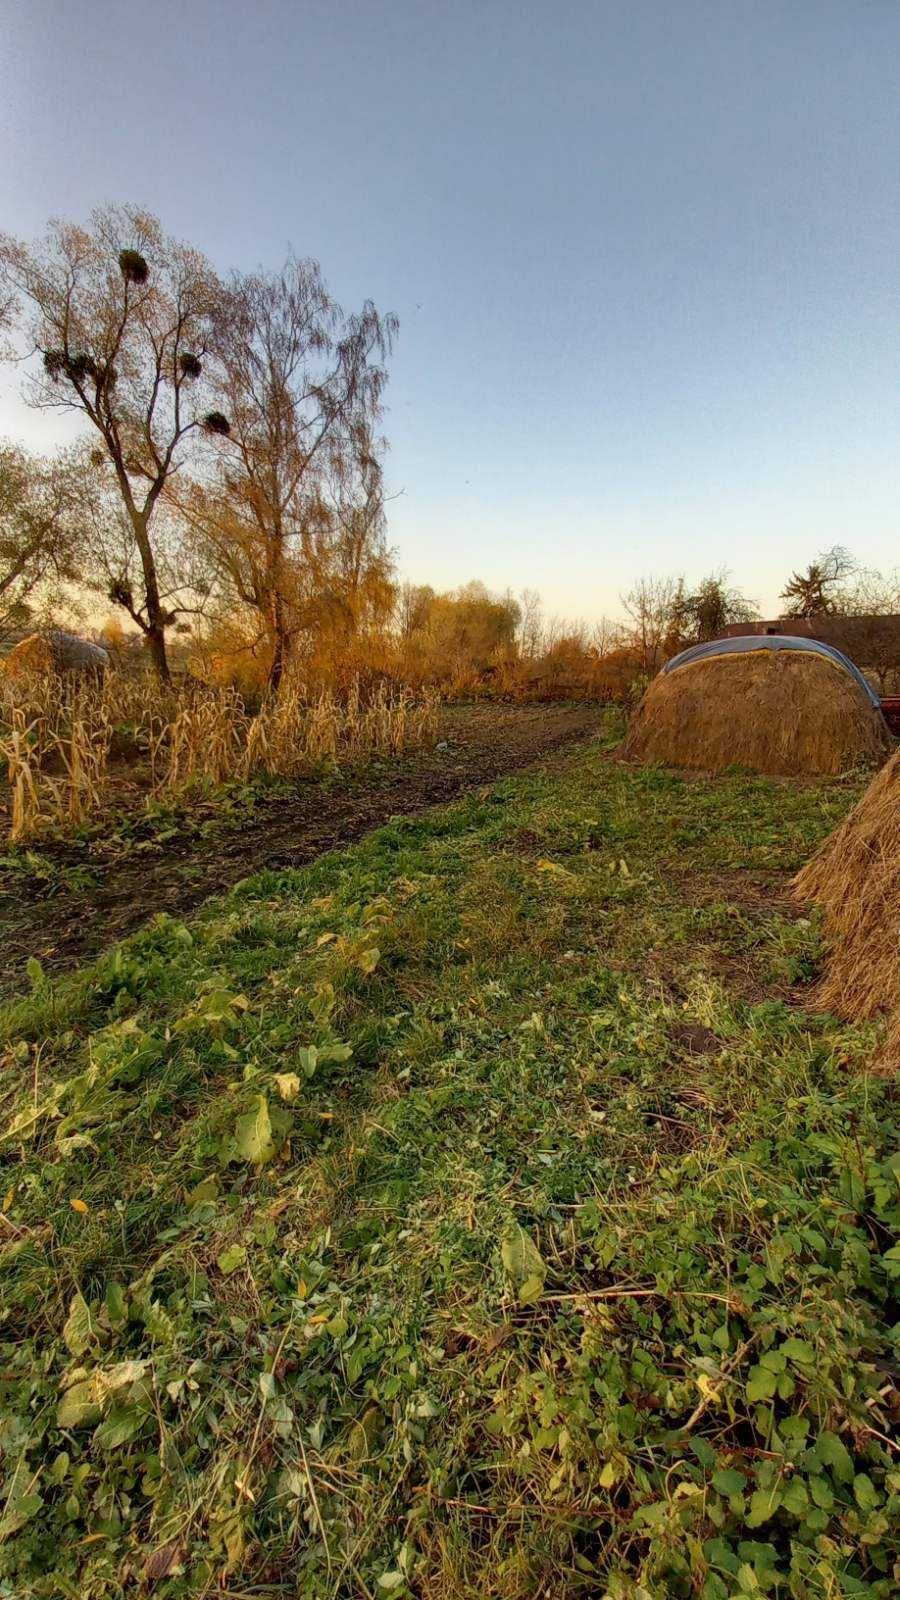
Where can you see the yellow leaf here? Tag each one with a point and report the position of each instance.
(707, 1388)
(302, 1290)
(562, 873)
(81, 1206)
(324, 938)
(321, 1316)
(9, 1197)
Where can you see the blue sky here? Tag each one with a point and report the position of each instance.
(645, 254)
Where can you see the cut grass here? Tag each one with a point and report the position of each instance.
(577, 1276)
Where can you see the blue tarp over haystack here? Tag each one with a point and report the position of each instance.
(742, 644)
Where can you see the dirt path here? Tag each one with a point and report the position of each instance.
(63, 921)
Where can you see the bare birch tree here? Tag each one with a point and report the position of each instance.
(302, 386)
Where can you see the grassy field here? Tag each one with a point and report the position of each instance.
(477, 1211)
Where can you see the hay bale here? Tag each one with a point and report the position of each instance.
(41, 655)
(855, 878)
(781, 712)
(72, 654)
(31, 658)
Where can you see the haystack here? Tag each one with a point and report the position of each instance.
(30, 658)
(774, 710)
(55, 652)
(855, 878)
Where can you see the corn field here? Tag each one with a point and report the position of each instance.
(63, 739)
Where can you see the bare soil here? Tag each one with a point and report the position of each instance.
(86, 894)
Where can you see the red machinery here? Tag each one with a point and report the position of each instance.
(890, 705)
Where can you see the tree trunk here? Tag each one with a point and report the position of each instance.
(156, 640)
(156, 627)
(279, 625)
(279, 652)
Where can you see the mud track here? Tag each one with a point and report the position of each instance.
(91, 893)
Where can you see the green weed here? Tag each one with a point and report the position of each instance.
(477, 1211)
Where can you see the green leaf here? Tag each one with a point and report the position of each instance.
(820, 1489)
(653, 1514)
(713, 1588)
(335, 1052)
(77, 1408)
(891, 1261)
(21, 1500)
(773, 1361)
(864, 1492)
(204, 1193)
(25, 1123)
(220, 1006)
(75, 1141)
(798, 1351)
(231, 1259)
(832, 1453)
(158, 1323)
(761, 1384)
(36, 975)
(119, 1428)
(308, 1059)
(729, 1481)
(78, 1330)
(253, 1140)
(720, 1554)
(524, 1263)
(816, 1519)
(763, 1504)
(794, 1497)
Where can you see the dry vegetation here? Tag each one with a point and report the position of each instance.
(778, 712)
(855, 878)
(62, 736)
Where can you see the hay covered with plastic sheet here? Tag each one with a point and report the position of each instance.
(783, 712)
(855, 878)
(42, 655)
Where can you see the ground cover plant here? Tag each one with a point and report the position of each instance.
(476, 1211)
(68, 895)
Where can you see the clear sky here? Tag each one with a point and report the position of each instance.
(645, 253)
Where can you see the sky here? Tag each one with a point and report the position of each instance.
(645, 253)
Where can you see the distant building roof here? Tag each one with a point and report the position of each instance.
(836, 630)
